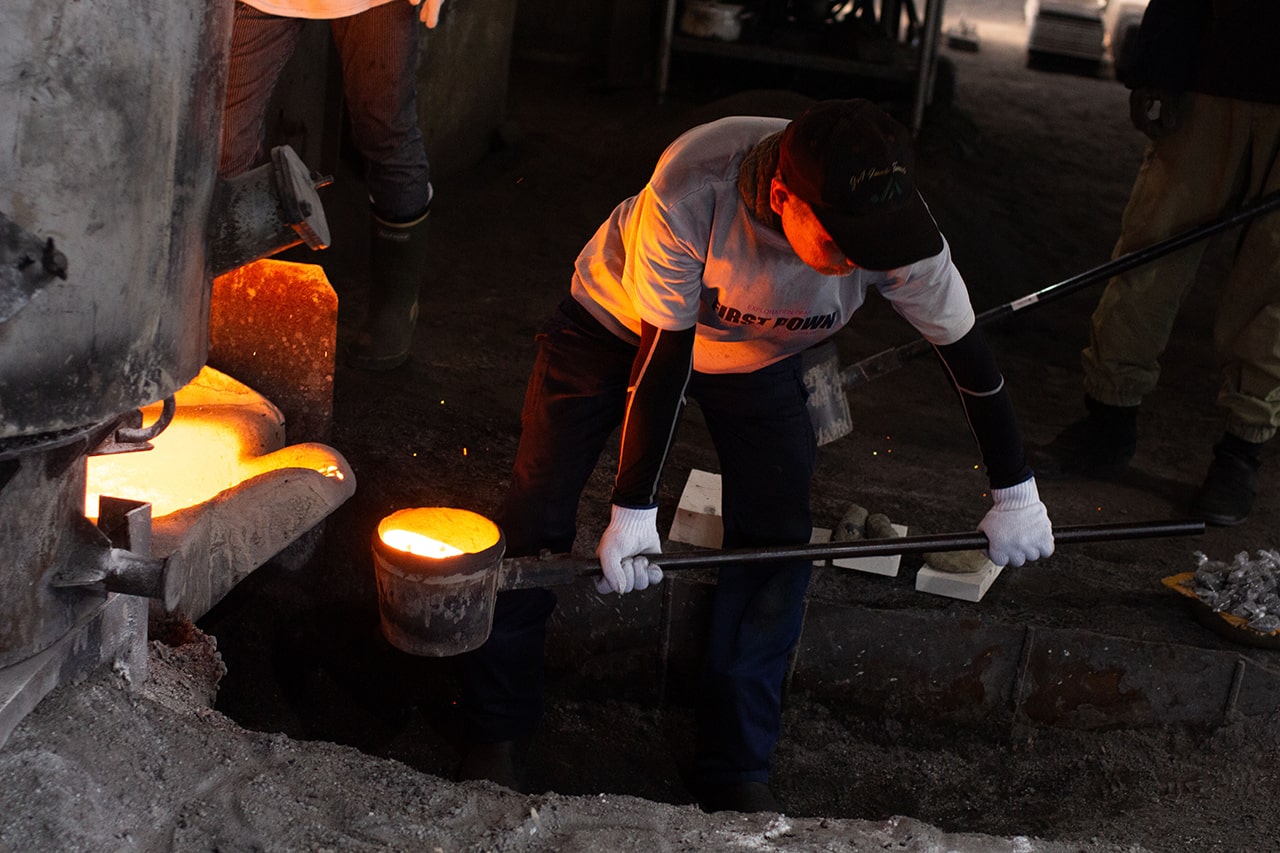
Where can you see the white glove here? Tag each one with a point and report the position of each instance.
(631, 534)
(429, 14)
(1017, 525)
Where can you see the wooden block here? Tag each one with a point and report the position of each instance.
(698, 521)
(886, 565)
(966, 587)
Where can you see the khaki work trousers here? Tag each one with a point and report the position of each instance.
(1224, 155)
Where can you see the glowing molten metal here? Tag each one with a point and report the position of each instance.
(438, 532)
(223, 434)
(416, 543)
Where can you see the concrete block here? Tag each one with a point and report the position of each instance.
(966, 587)
(886, 564)
(698, 520)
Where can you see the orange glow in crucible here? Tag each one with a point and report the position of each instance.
(438, 532)
(416, 543)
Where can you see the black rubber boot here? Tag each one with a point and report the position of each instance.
(397, 257)
(1099, 446)
(500, 763)
(1230, 487)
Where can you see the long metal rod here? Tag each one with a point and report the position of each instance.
(891, 359)
(560, 569)
(928, 60)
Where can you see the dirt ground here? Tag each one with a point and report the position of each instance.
(1027, 172)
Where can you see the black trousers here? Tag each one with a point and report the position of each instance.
(765, 443)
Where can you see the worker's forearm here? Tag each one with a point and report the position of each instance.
(655, 401)
(972, 368)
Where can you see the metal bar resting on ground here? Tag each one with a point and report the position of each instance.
(889, 360)
(557, 570)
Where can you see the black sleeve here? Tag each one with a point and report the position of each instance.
(655, 400)
(971, 366)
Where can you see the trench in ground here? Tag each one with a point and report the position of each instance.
(969, 726)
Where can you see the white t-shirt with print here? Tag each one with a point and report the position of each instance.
(687, 250)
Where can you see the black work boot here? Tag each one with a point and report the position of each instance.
(397, 256)
(499, 763)
(737, 797)
(1099, 445)
(1229, 489)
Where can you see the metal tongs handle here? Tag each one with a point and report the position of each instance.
(560, 569)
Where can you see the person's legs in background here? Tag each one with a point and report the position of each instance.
(261, 46)
(1247, 337)
(1188, 178)
(379, 52)
(765, 442)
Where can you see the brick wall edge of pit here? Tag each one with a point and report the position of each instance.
(273, 325)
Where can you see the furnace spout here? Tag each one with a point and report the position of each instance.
(111, 569)
(265, 211)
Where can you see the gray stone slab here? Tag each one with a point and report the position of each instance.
(919, 664)
(1085, 680)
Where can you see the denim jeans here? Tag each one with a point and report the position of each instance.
(764, 439)
(378, 50)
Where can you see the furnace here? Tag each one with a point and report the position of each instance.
(113, 225)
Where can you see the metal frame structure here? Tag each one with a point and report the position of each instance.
(921, 72)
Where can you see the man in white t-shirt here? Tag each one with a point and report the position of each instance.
(754, 240)
(378, 45)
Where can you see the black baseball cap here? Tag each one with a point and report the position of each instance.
(855, 166)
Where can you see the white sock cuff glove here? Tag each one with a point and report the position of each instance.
(1017, 525)
(1021, 496)
(631, 534)
(633, 522)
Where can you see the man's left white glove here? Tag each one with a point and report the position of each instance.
(429, 14)
(631, 534)
(1017, 525)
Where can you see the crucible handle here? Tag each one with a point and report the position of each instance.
(560, 569)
